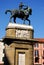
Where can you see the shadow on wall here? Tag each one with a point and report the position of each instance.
(6, 61)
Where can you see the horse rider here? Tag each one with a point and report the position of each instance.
(22, 6)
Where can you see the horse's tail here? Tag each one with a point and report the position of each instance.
(8, 11)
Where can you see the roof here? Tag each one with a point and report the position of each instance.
(40, 40)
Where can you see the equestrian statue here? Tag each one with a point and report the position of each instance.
(23, 13)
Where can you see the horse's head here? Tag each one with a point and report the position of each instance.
(30, 11)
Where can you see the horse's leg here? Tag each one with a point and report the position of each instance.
(24, 20)
(10, 18)
(14, 19)
(28, 20)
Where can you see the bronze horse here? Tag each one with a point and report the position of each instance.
(22, 14)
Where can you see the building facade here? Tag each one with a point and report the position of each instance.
(39, 52)
(1, 52)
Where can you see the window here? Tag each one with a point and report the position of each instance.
(43, 54)
(36, 60)
(21, 60)
(36, 45)
(36, 53)
(43, 63)
(43, 45)
(22, 56)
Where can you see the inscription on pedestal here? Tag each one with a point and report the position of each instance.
(22, 33)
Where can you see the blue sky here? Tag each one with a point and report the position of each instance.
(37, 17)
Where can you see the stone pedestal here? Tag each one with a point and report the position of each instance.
(19, 31)
(19, 44)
